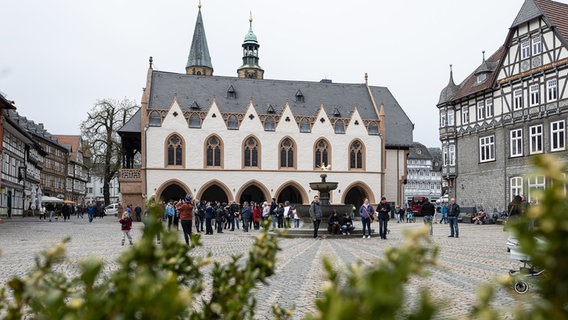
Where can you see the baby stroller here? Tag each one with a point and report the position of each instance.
(527, 271)
(410, 217)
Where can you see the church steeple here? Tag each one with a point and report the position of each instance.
(199, 60)
(250, 67)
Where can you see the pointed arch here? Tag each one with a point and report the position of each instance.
(232, 122)
(339, 127)
(356, 155)
(168, 183)
(269, 124)
(322, 153)
(305, 126)
(287, 153)
(251, 151)
(195, 121)
(373, 129)
(255, 183)
(213, 152)
(214, 183)
(362, 188)
(155, 119)
(302, 192)
(174, 147)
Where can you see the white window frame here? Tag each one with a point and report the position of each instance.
(516, 142)
(535, 183)
(445, 155)
(465, 115)
(487, 148)
(525, 49)
(452, 154)
(536, 139)
(551, 90)
(489, 108)
(517, 99)
(557, 135)
(534, 90)
(516, 187)
(480, 110)
(481, 77)
(442, 119)
(536, 45)
(451, 116)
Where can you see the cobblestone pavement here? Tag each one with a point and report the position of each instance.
(477, 256)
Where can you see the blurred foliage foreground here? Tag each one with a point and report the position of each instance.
(165, 282)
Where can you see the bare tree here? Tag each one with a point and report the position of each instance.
(99, 131)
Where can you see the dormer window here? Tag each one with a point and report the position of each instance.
(300, 96)
(481, 77)
(155, 119)
(231, 93)
(270, 110)
(195, 106)
(269, 124)
(336, 112)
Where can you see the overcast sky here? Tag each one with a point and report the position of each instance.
(58, 57)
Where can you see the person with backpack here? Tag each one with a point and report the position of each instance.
(185, 209)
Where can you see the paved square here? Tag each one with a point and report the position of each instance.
(475, 257)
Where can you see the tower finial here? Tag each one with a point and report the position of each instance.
(250, 19)
(366, 78)
(199, 5)
(483, 53)
(450, 68)
(151, 60)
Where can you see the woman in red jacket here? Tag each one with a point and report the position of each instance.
(185, 209)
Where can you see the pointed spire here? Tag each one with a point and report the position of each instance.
(450, 90)
(199, 60)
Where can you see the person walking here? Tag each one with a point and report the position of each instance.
(91, 211)
(209, 215)
(367, 213)
(138, 212)
(383, 209)
(125, 227)
(444, 212)
(453, 214)
(170, 213)
(428, 210)
(185, 209)
(315, 214)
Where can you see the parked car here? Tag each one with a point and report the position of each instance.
(111, 209)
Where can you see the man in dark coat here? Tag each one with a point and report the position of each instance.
(428, 211)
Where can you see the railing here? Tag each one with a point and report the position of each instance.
(129, 174)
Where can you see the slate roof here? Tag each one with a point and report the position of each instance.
(265, 93)
(419, 152)
(470, 85)
(555, 13)
(133, 124)
(31, 127)
(199, 51)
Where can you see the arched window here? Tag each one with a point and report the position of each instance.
(305, 126)
(155, 119)
(232, 122)
(373, 129)
(269, 124)
(287, 148)
(321, 155)
(339, 127)
(251, 150)
(174, 147)
(195, 121)
(356, 154)
(213, 152)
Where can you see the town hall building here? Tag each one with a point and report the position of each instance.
(248, 138)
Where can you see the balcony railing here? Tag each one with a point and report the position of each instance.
(129, 174)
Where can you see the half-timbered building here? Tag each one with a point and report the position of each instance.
(511, 108)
